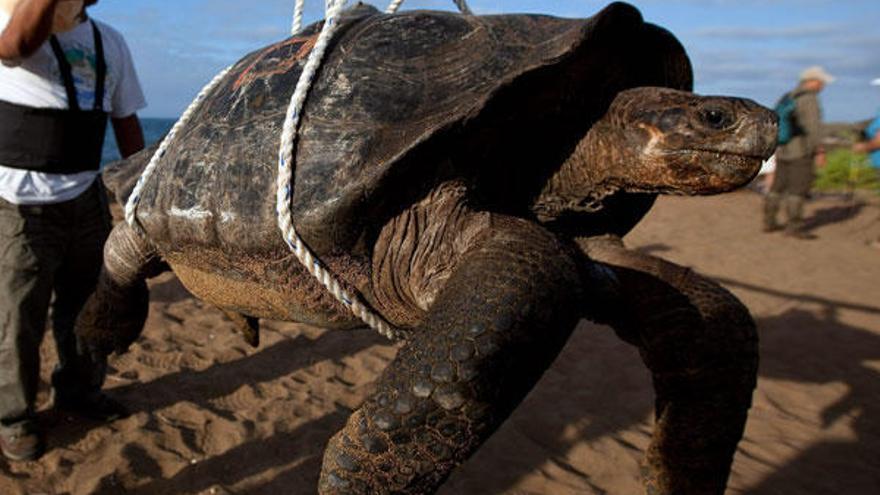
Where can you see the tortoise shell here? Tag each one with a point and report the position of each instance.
(401, 103)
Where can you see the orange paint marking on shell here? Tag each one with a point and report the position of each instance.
(250, 74)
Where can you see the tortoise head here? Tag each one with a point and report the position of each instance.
(681, 143)
(660, 140)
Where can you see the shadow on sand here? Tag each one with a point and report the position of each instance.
(202, 387)
(790, 344)
(801, 346)
(301, 447)
(833, 214)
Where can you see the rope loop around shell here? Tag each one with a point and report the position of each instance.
(284, 181)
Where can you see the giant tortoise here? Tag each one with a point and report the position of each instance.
(471, 178)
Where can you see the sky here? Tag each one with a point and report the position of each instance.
(749, 48)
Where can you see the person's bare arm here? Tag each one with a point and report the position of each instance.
(868, 146)
(129, 135)
(28, 28)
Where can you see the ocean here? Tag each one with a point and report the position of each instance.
(154, 130)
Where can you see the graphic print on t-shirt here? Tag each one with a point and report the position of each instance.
(83, 64)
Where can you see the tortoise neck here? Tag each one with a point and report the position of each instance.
(592, 171)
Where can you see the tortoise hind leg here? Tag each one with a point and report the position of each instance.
(497, 324)
(114, 315)
(701, 346)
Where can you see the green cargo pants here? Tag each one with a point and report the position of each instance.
(792, 182)
(50, 257)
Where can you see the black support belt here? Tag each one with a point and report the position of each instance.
(55, 140)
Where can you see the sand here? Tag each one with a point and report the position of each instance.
(214, 416)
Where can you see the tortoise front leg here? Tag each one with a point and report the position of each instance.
(496, 325)
(701, 346)
(114, 315)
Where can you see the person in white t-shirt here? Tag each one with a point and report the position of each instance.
(62, 77)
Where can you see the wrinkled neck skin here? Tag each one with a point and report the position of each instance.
(592, 172)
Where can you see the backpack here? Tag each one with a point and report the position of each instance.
(788, 126)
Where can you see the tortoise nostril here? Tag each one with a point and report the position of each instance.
(717, 118)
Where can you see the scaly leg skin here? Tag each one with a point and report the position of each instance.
(503, 316)
(701, 346)
(114, 315)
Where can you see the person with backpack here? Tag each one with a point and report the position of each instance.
(799, 151)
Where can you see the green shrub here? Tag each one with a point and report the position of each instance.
(846, 171)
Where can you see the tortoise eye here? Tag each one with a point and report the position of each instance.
(716, 118)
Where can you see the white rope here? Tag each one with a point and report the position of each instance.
(284, 193)
(285, 178)
(393, 6)
(297, 16)
(135, 197)
(461, 4)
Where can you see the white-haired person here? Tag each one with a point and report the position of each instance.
(799, 152)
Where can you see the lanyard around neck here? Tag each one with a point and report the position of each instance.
(67, 71)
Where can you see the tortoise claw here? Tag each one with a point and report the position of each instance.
(247, 325)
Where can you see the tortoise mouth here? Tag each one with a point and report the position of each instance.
(728, 170)
(705, 151)
(706, 171)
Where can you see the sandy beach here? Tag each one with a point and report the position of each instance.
(214, 416)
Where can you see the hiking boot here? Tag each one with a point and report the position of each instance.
(771, 227)
(22, 444)
(96, 406)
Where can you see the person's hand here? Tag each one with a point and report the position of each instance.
(28, 28)
(9, 6)
(861, 147)
(68, 14)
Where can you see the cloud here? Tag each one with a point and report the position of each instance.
(741, 33)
